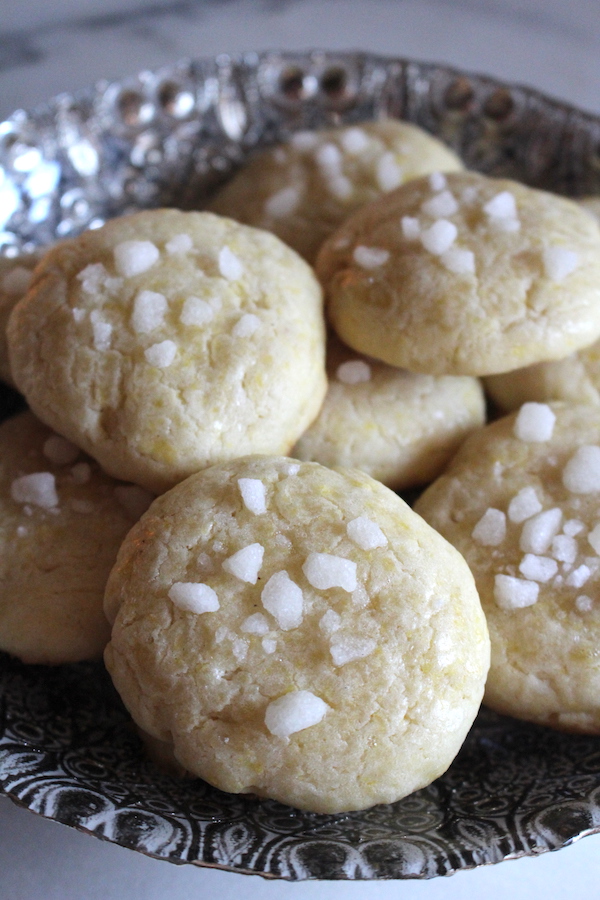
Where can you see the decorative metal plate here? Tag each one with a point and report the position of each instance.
(67, 748)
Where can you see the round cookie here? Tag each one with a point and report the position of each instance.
(298, 633)
(15, 278)
(520, 502)
(62, 521)
(575, 379)
(303, 189)
(166, 341)
(399, 427)
(467, 275)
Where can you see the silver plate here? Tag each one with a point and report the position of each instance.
(67, 749)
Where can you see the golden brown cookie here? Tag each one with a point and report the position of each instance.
(62, 521)
(297, 633)
(304, 189)
(165, 341)
(469, 276)
(397, 426)
(520, 502)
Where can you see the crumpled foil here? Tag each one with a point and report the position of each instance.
(166, 138)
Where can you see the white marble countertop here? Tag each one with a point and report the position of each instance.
(68, 44)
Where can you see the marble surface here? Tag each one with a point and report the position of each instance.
(68, 44)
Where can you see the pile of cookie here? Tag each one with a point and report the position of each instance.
(203, 486)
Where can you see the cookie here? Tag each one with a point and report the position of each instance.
(397, 426)
(520, 502)
(575, 379)
(62, 521)
(465, 275)
(166, 341)
(298, 633)
(303, 189)
(15, 278)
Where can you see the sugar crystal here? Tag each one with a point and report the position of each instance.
(578, 577)
(324, 571)
(179, 243)
(149, 310)
(230, 266)
(584, 603)
(283, 203)
(437, 181)
(538, 568)
(284, 600)
(539, 531)
(388, 173)
(101, 330)
(459, 261)
(255, 624)
(524, 505)
(573, 527)
(330, 622)
(194, 597)
(246, 563)
(161, 355)
(534, 422)
(346, 648)
(439, 237)
(354, 140)
(581, 475)
(134, 257)
(502, 206)
(370, 257)
(294, 712)
(196, 311)
(354, 371)
(514, 593)
(490, 530)
(559, 262)
(411, 228)
(366, 534)
(246, 326)
(594, 538)
(564, 548)
(440, 205)
(253, 493)
(39, 489)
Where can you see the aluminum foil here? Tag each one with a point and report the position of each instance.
(166, 138)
